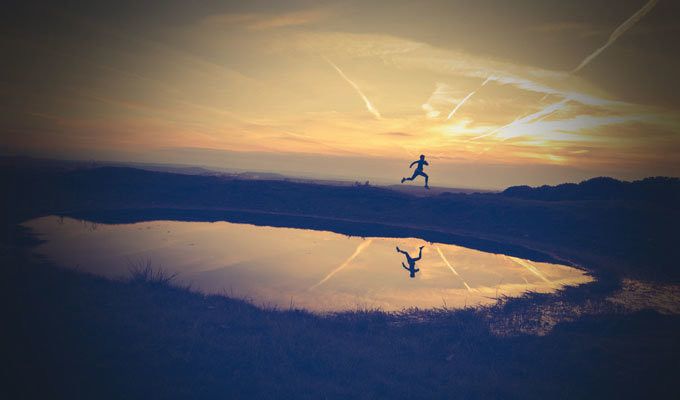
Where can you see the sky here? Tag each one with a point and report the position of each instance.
(494, 93)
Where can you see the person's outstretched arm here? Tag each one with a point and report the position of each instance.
(415, 162)
(425, 162)
(404, 266)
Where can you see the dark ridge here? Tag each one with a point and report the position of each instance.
(653, 189)
(619, 233)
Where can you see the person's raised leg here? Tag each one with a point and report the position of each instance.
(415, 174)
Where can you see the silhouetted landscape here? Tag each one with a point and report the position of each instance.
(304, 199)
(604, 224)
(150, 336)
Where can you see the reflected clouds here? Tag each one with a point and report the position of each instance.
(316, 270)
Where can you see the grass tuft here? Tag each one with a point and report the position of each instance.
(144, 273)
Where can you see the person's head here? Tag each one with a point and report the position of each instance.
(422, 156)
(412, 272)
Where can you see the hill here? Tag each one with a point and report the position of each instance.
(653, 189)
(628, 232)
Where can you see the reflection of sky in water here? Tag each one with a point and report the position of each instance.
(316, 270)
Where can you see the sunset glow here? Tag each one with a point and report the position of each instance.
(312, 81)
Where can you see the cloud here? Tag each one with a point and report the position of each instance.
(409, 55)
(397, 134)
(585, 99)
(442, 94)
(262, 21)
(535, 117)
(566, 27)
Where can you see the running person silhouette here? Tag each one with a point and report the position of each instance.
(419, 171)
(411, 261)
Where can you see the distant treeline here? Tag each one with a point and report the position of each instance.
(658, 189)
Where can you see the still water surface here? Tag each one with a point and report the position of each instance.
(316, 270)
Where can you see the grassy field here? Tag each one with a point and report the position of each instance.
(72, 335)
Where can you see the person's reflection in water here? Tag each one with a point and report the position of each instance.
(411, 261)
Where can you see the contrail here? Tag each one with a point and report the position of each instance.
(451, 268)
(466, 98)
(541, 115)
(530, 267)
(629, 23)
(369, 106)
(620, 30)
(362, 246)
(549, 109)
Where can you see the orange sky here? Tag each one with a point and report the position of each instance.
(345, 89)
